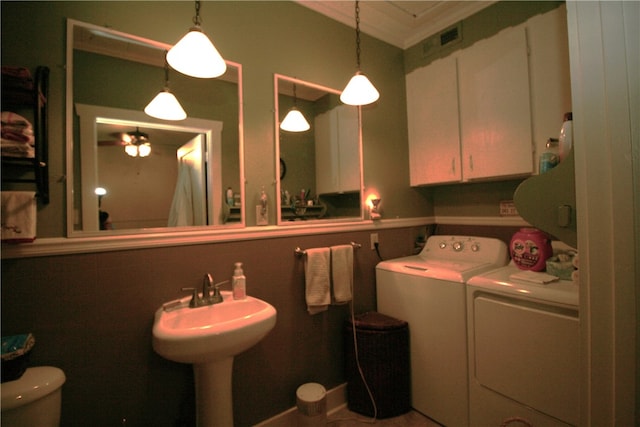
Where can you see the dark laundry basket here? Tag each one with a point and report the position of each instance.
(383, 350)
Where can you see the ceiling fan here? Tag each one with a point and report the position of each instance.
(135, 143)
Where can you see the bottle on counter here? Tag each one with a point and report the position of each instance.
(550, 157)
(565, 142)
(239, 282)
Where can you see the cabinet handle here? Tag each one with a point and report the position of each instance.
(471, 161)
(453, 165)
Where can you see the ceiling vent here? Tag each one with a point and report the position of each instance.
(445, 38)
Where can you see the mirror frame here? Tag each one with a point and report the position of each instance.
(278, 161)
(69, 176)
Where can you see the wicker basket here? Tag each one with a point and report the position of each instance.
(383, 350)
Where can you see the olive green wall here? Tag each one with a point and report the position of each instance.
(266, 38)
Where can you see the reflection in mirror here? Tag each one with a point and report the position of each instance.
(183, 181)
(322, 166)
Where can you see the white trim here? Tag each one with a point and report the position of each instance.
(106, 241)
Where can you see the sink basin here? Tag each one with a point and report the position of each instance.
(210, 333)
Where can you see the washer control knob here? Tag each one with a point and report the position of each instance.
(443, 245)
(475, 247)
(458, 246)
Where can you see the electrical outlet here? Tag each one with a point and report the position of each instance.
(374, 240)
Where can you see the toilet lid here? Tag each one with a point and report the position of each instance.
(34, 384)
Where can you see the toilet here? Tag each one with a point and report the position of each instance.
(34, 399)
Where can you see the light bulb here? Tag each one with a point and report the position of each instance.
(359, 91)
(144, 150)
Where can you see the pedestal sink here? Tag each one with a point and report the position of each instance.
(209, 337)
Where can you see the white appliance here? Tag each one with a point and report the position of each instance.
(523, 350)
(429, 292)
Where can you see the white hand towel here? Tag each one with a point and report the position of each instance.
(316, 273)
(342, 273)
(18, 216)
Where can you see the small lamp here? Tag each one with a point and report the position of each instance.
(195, 55)
(359, 90)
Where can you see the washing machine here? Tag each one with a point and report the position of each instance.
(524, 362)
(428, 291)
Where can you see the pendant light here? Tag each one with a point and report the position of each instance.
(359, 90)
(294, 121)
(195, 55)
(165, 105)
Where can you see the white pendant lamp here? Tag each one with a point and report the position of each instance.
(294, 121)
(165, 105)
(195, 55)
(359, 90)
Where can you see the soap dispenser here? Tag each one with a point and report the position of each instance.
(239, 282)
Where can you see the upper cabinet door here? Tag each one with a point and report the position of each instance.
(337, 155)
(434, 136)
(495, 112)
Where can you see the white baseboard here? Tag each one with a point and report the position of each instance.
(336, 400)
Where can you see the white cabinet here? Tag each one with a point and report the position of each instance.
(434, 132)
(469, 114)
(337, 151)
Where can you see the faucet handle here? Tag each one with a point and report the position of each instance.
(217, 297)
(194, 298)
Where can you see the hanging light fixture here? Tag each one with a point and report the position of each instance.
(137, 143)
(294, 121)
(195, 55)
(165, 105)
(359, 90)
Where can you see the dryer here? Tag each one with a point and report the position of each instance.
(523, 349)
(429, 292)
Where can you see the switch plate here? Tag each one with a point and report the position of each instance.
(374, 239)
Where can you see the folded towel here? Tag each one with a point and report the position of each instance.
(342, 273)
(534, 277)
(316, 273)
(18, 216)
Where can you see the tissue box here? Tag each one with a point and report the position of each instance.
(560, 269)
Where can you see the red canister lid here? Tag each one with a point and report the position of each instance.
(530, 248)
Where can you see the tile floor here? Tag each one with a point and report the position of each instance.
(346, 418)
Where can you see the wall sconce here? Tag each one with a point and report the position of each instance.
(374, 207)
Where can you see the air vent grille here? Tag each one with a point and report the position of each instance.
(449, 36)
(437, 42)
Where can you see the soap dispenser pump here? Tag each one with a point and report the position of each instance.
(239, 282)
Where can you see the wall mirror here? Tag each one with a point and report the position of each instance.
(184, 180)
(320, 169)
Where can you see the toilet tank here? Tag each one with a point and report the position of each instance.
(34, 399)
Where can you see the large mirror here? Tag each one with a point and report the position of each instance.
(131, 173)
(319, 169)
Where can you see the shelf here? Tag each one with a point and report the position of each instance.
(35, 99)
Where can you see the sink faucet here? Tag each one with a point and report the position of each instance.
(207, 298)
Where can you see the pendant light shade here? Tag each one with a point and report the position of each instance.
(165, 105)
(294, 121)
(359, 90)
(195, 55)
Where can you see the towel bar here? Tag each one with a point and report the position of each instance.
(302, 252)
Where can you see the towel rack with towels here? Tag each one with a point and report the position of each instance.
(302, 252)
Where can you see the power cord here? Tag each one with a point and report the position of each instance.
(377, 246)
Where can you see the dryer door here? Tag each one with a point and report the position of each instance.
(528, 352)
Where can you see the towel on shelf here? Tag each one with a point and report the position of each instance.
(18, 216)
(342, 273)
(316, 274)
